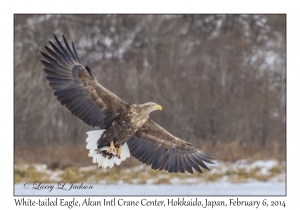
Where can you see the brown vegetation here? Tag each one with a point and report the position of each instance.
(77, 155)
(240, 171)
(220, 80)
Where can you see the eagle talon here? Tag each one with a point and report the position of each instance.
(112, 149)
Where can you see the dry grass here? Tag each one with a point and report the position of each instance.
(56, 156)
(231, 172)
(30, 174)
(69, 160)
(77, 155)
(237, 150)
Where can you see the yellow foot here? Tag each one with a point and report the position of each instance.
(112, 148)
(119, 150)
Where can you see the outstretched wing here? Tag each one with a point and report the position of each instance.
(155, 146)
(77, 89)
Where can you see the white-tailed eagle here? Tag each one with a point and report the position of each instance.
(126, 129)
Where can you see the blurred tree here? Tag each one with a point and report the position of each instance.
(220, 78)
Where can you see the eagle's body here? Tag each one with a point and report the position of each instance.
(125, 125)
(126, 129)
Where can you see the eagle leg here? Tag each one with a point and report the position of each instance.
(119, 150)
(112, 148)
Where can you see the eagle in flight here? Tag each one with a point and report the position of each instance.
(125, 129)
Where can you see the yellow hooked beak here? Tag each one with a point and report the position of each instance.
(158, 107)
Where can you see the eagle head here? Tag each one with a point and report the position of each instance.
(151, 106)
(146, 108)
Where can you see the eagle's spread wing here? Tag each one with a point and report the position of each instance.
(77, 89)
(155, 146)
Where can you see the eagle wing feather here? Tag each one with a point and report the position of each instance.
(155, 146)
(77, 89)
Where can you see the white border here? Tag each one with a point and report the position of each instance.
(154, 6)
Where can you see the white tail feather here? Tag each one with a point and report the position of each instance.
(93, 137)
(125, 152)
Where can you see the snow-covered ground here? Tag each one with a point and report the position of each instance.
(252, 188)
(224, 178)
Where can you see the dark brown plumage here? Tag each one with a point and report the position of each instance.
(77, 89)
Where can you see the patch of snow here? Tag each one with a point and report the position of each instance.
(112, 29)
(88, 168)
(54, 175)
(264, 166)
(150, 181)
(107, 41)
